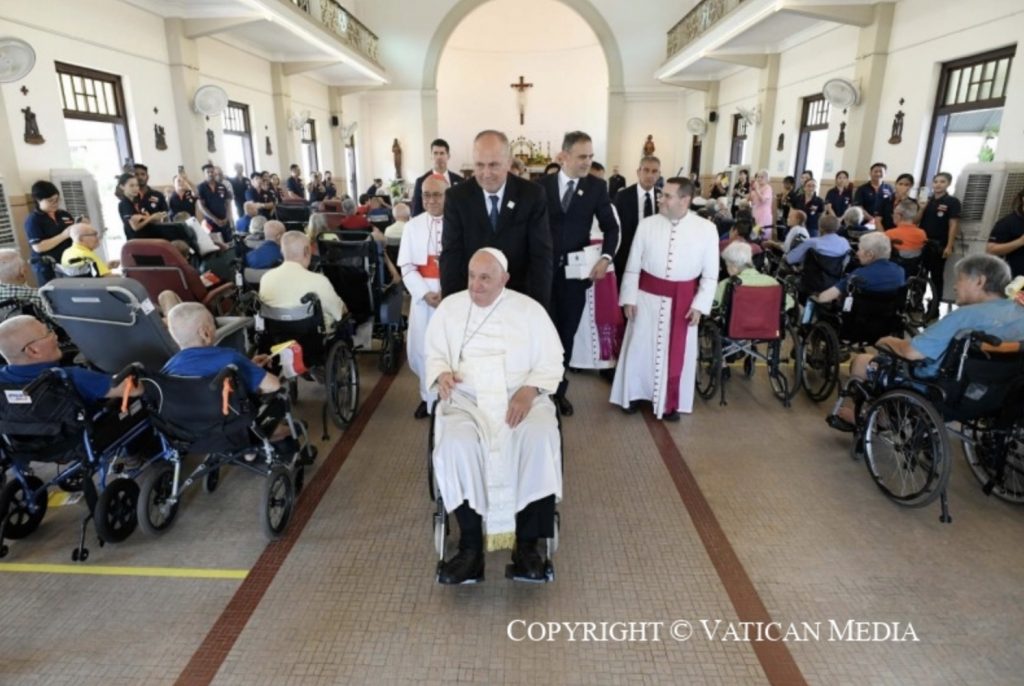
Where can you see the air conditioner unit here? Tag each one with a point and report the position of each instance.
(79, 194)
(7, 237)
(986, 191)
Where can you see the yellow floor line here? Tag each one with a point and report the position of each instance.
(100, 570)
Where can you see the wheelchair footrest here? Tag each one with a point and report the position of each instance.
(549, 574)
(467, 582)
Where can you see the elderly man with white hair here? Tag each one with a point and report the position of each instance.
(85, 239)
(494, 357)
(286, 285)
(14, 280)
(739, 263)
(269, 253)
(394, 233)
(877, 274)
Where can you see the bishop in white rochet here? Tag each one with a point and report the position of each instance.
(494, 357)
(669, 282)
(418, 256)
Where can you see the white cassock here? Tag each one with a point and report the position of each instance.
(586, 345)
(477, 458)
(417, 258)
(670, 269)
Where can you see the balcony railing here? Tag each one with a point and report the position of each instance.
(342, 24)
(698, 21)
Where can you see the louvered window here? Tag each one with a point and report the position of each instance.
(7, 239)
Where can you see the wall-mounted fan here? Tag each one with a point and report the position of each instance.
(840, 93)
(16, 59)
(750, 116)
(348, 129)
(298, 119)
(697, 126)
(210, 100)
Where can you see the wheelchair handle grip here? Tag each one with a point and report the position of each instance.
(989, 339)
(229, 372)
(131, 371)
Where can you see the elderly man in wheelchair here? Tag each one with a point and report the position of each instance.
(897, 402)
(55, 414)
(494, 358)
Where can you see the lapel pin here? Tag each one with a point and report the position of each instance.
(579, 192)
(510, 205)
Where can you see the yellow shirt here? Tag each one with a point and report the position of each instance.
(77, 251)
(285, 285)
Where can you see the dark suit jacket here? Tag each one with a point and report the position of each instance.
(630, 214)
(522, 234)
(570, 230)
(417, 194)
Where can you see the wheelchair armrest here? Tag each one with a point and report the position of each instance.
(228, 327)
(886, 350)
(217, 295)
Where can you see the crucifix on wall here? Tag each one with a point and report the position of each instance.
(521, 96)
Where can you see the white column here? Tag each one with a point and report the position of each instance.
(869, 71)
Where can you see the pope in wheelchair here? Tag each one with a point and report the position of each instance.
(493, 356)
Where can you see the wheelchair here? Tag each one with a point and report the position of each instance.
(330, 357)
(921, 289)
(903, 423)
(80, 268)
(47, 422)
(442, 526)
(217, 418)
(748, 317)
(354, 264)
(834, 333)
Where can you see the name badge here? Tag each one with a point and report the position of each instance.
(17, 397)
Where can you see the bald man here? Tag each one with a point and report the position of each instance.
(14, 280)
(285, 286)
(85, 240)
(494, 357)
(499, 210)
(268, 255)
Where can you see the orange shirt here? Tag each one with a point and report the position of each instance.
(910, 237)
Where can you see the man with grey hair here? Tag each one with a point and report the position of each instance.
(14, 282)
(496, 209)
(981, 282)
(353, 220)
(493, 356)
(286, 285)
(877, 273)
(739, 263)
(268, 255)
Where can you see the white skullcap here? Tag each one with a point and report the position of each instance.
(498, 255)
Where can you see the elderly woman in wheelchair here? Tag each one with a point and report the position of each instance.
(58, 415)
(749, 310)
(213, 401)
(897, 403)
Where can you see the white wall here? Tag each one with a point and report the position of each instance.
(660, 113)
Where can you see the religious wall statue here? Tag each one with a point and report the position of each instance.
(270, 150)
(782, 142)
(211, 144)
(897, 128)
(841, 141)
(649, 145)
(396, 150)
(32, 135)
(161, 139)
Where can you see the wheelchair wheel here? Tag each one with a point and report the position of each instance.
(157, 505)
(920, 293)
(709, 358)
(212, 480)
(72, 483)
(789, 368)
(19, 521)
(277, 502)
(906, 448)
(342, 384)
(116, 513)
(390, 351)
(293, 390)
(430, 456)
(820, 352)
(981, 451)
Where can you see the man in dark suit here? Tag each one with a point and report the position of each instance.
(496, 209)
(634, 203)
(438, 151)
(575, 198)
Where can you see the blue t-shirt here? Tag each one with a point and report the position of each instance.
(242, 225)
(92, 386)
(829, 245)
(208, 362)
(214, 199)
(264, 257)
(1003, 318)
(878, 277)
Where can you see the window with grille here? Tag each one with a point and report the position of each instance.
(739, 139)
(309, 150)
(89, 94)
(812, 142)
(238, 137)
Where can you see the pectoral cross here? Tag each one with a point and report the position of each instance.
(521, 96)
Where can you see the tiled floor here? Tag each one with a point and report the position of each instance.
(355, 600)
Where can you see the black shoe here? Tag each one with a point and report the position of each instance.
(670, 417)
(527, 564)
(466, 567)
(421, 411)
(607, 374)
(630, 409)
(564, 406)
(839, 424)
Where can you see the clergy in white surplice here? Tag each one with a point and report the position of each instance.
(418, 256)
(494, 357)
(599, 335)
(669, 282)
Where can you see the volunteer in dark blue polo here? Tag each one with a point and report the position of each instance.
(940, 219)
(332, 189)
(239, 187)
(811, 204)
(872, 196)
(258, 194)
(1007, 238)
(134, 213)
(183, 199)
(213, 204)
(153, 199)
(48, 229)
(839, 197)
(295, 185)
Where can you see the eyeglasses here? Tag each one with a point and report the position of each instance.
(88, 235)
(433, 196)
(49, 332)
